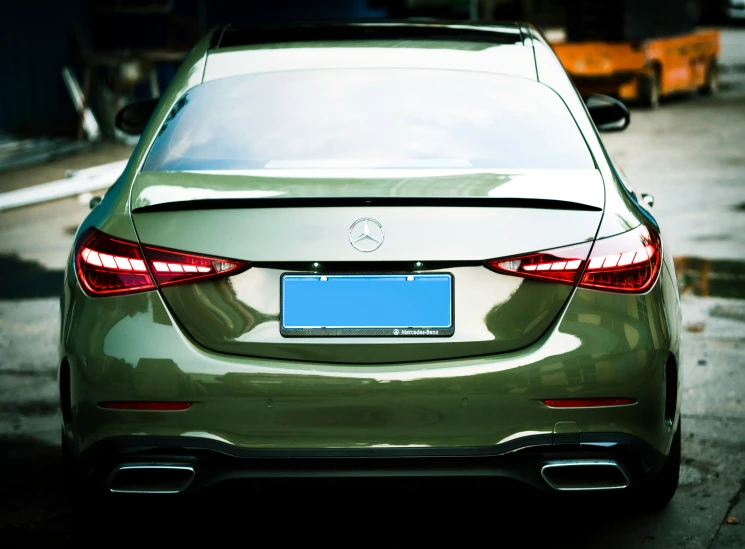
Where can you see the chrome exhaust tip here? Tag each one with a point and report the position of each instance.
(150, 479)
(585, 474)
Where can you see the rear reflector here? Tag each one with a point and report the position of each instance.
(628, 262)
(588, 402)
(108, 265)
(148, 406)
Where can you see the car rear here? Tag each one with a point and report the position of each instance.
(396, 264)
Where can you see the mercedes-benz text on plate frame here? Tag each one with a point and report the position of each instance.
(404, 305)
(366, 234)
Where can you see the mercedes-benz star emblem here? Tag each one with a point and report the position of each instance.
(366, 234)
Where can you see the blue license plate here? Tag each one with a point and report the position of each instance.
(419, 305)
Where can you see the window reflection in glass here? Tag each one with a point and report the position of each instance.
(369, 118)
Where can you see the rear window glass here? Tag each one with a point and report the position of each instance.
(369, 118)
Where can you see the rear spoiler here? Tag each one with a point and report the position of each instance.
(387, 201)
(241, 35)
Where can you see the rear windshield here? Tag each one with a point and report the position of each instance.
(369, 118)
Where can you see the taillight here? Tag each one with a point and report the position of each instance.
(170, 267)
(108, 265)
(628, 262)
(561, 265)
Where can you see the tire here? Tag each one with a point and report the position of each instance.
(91, 514)
(69, 467)
(662, 488)
(711, 84)
(82, 496)
(649, 90)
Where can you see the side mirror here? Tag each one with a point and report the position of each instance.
(95, 201)
(133, 118)
(609, 114)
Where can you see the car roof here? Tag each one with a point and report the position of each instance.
(503, 48)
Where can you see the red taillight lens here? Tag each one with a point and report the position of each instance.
(170, 267)
(562, 265)
(628, 262)
(108, 265)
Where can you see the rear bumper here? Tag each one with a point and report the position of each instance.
(219, 465)
(129, 348)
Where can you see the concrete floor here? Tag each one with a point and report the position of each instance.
(690, 155)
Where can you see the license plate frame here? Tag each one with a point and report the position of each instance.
(444, 290)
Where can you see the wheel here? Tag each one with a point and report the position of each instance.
(649, 89)
(81, 494)
(69, 468)
(711, 84)
(74, 485)
(662, 488)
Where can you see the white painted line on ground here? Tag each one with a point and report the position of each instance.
(81, 181)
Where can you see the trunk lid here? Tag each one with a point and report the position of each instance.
(443, 223)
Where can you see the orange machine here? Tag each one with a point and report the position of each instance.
(644, 71)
